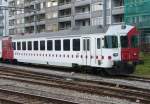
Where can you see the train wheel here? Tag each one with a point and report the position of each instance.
(130, 68)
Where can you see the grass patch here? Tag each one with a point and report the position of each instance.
(144, 70)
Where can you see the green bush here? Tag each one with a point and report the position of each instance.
(144, 69)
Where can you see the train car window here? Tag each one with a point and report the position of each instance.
(66, 45)
(111, 42)
(57, 45)
(86, 44)
(29, 45)
(124, 41)
(134, 41)
(98, 43)
(23, 45)
(14, 45)
(49, 45)
(18, 46)
(76, 44)
(35, 45)
(42, 45)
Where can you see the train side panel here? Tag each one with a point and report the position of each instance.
(84, 57)
(7, 49)
(58, 58)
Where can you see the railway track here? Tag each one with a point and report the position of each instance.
(87, 86)
(132, 78)
(124, 77)
(138, 78)
(4, 101)
(15, 97)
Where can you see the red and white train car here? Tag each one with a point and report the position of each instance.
(109, 49)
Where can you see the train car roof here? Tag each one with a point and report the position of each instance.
(63, 33)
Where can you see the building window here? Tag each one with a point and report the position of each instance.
(97, 21)
(76, 44)
(97, 6)
(57, 45)
(52, 3)
(66, 45)
(52, 15)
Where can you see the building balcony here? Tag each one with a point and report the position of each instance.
(28, 3)
(41, 22)
(65, 6)
(117, 23)
(98, 13)
(118, 19)
(64, 18)
(64, 2)
(82, 2)
(28, 14)
(33, 23)
(11, 27)
(118, 10)
(82, 15)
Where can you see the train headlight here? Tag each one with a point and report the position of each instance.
(134, 54)
(115, 54)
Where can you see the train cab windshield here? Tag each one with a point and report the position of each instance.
(110, 42)
(124, 40)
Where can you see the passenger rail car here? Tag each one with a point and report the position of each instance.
(108, 49)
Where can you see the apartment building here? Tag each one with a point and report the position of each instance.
(34, 16)
(3, 18)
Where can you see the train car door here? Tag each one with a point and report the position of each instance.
(7, 49)
(87, 51)
(98, 51)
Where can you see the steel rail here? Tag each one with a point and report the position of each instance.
(6, 101)
(137, 78)
(45, 76)
(16, 100)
